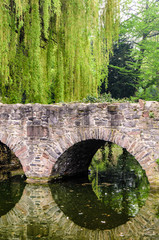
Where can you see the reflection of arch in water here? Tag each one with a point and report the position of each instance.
(37, 214)
(26, 217)
(10, 194)
(82, 206)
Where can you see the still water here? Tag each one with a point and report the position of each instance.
(115, 202)
(91, 210)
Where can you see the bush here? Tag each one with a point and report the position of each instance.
(105, 97)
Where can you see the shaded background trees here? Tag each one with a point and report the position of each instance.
(121, 80)
(140, 27)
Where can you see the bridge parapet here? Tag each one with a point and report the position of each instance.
(40, 134)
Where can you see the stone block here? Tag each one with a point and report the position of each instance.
(36, 122)
(115, 123)
(86, 120)
(142, 103)
(101, 123)
(130, 124)
(124, 105)
(37, 131)
(21, 151)
(135, 132)
(4, 116)
(117, 117)
(112, 108)
(145, 114)
(77, 123)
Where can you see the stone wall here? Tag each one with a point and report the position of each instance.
(40, 135)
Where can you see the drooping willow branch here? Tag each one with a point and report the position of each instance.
(55, 50)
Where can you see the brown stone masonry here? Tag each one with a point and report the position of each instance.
(40, 135)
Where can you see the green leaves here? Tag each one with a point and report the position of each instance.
(141, 27)
(55, 50)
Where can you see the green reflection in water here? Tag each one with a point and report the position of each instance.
(47, 212)
(130, 186)
(103, 207)
(80, 211)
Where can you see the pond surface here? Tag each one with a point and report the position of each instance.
(78, 211)
(115, 202)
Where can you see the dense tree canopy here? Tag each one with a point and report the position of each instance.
(54, 50)
(140, 26)
(121, 80)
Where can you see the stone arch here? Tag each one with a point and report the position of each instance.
(17, 146)
(142, 153)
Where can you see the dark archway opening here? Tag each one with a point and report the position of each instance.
(10, 166)
(11, 179)
(75, 161)
(85, 157)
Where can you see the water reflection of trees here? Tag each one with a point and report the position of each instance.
(45, 212)
(90, 208)
(130, 185)
(101, 204)
(82, 206)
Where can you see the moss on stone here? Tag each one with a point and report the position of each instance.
(151, 114)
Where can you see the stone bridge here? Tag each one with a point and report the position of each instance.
(60, 140)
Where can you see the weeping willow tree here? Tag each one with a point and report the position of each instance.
(55, 50)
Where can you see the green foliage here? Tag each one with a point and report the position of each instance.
(150, 93)
(105, 97)
(151, 115)
(143, 33)
(91, 99)
(157, 160)
(54, 50)
(102, 161)
(122, 167)
(121, 81)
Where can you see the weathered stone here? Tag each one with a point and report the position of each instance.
(142, 103)
(148, 104)
(112, 108)
(117, 117)
(37, 131)
(124, 105)
(145, 114)
(130, 124)
(135, 132)
(115, 123)
(135, 116)
(20, 151)
(4, 116)
(86, 120)
(101, 123)
(40, 134)
(36, 122)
